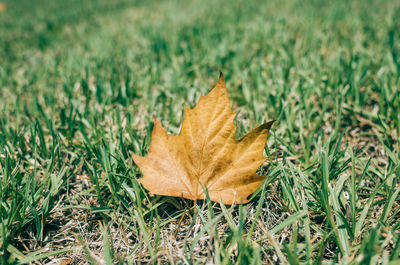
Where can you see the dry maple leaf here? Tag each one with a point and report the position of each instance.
(205, 154)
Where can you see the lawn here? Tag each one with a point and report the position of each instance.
(82, 81)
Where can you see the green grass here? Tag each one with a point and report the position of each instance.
(81, 81)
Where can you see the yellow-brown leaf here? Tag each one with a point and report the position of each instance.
(205, 154)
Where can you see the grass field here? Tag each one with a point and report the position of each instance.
(81, 81)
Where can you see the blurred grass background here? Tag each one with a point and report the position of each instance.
(80, 82)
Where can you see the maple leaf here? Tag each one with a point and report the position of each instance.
(205, 154)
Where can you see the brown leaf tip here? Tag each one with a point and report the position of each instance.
(221, 79)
